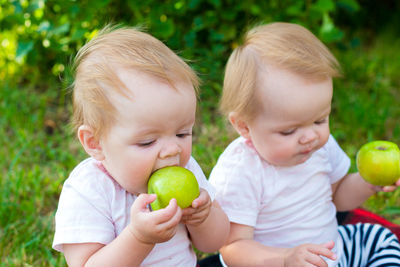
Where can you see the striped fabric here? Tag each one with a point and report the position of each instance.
(369, 245)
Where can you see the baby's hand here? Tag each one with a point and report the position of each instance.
(198, 212)
(387, 188)
(309, 255)
(391, 188)
(156, 226)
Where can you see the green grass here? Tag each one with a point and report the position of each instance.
(38, 150)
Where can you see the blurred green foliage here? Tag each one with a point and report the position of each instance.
(39, 37)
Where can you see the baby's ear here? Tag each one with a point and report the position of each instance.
(239, 124)
(89, 142)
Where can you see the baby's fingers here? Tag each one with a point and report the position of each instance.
(316, 260)
(170, 215)
(202, 199)
(142, 202)
(324, 250)
(389, 188)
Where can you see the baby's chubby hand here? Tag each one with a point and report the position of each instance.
(156, 226)
(198, 212)
(309, 255)
(388, 188)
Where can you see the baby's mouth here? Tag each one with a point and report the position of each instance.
(305, 152)
(163, 166)
(173, 161)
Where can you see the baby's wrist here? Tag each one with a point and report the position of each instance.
(375, 188)
(138, 237)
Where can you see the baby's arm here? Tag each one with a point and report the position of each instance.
(207, 224)
(242, 250)
(352, 190)
(134, 243)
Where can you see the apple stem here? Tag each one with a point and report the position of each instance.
(381, 148)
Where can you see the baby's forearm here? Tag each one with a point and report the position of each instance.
(247, 252)
(212, 233)
(351, 192)
(125, 250)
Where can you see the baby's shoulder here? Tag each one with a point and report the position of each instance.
(239, 149)
(90, 176)
(241, 161)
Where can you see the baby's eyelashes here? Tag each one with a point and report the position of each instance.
(146, 143)
(288, 132)
(293, 130)
(182, 135)
(320, 121)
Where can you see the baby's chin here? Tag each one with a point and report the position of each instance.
(297, 160)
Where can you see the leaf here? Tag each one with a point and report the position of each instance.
(215, 3)
(295, 9)
(391, 210)
(193, 4)
(24, 47)
(327, 24)
(164, 27)
(350, 5)
(328, 31)
(324, 5)
(44, 26)
(78, 34)
(60, 29)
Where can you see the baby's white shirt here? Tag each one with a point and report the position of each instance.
(287, 206)
(94, 208)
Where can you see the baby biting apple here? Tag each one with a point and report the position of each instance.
(173, 182)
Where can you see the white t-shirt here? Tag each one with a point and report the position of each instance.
(94, 208)
(287, 206)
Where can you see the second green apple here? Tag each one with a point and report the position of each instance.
(378, 162)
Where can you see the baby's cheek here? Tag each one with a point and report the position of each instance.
(184, 157)
(279, 157)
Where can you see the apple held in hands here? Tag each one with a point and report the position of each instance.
(378, 162)
(173, 182)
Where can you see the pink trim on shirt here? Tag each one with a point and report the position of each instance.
(102, 168)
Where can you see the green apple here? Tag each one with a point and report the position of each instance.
(173, 182)
(378, 162)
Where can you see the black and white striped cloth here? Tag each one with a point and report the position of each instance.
(369, 245)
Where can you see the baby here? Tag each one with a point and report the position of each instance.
(134, 110)
(282, 181)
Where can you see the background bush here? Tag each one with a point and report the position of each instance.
(39, 38)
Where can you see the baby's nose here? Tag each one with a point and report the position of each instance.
(170, 149)
(309, 136)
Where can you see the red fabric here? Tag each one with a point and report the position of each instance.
(364, 216)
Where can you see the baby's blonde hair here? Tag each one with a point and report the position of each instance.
(286, 45)
(95, 72)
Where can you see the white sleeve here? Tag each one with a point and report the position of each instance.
(239, 189)
(84, 213)
(194, 167)
(339, 161)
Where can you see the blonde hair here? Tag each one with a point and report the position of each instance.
(95, 76)
(286, 45)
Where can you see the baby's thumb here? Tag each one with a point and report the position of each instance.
(329, 244)
(142, 202)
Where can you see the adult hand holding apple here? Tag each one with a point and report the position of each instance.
(378, 162)
(173, 182)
